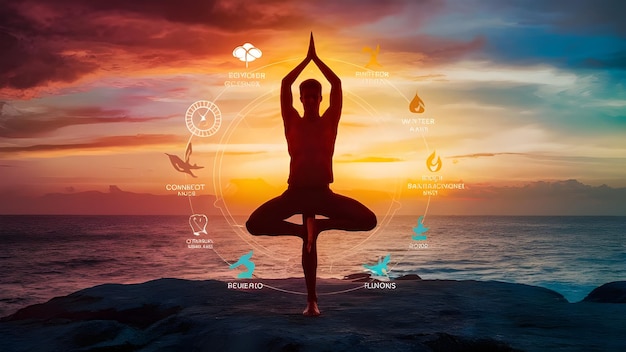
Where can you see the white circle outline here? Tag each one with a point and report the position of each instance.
(394, 205)
(203, 132)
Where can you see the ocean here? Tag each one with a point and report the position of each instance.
(47, 256)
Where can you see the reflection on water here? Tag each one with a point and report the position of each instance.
(47, 256)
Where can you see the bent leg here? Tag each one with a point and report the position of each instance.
(269, 218)
(346, 214)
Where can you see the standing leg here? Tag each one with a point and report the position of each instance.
(309, 263)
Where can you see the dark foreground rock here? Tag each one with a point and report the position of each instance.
(411, 315)
(613, 292)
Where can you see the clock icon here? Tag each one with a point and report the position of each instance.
(197, 121)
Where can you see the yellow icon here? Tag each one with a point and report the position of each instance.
(417, 105)
(436, 166)
(373, 53)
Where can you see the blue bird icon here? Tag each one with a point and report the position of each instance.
(247, 263)
(419, 230)
(379, 269)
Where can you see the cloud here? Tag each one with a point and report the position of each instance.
(35, 124)
(567, 197)
(588, 17)
(578, 16)
(348, 13)
(23, 66)
(574, 34)
(243, 153)
(478, 155)
(103, 143)
(369, 159)
(229, 15)
(614, 61)
(434, 49)
(50, 43)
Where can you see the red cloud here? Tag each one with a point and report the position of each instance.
(47, 43)
(436, 49)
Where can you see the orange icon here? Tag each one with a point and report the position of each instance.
(433, 166)
(417, 105)
(373, 54)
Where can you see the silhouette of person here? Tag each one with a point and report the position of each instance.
(311, 144)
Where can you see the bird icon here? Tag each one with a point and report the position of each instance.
(419, 230)
(184, 166)
(379, 269)
(249, 265)
(373, 54)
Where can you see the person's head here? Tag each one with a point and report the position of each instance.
(311, 95)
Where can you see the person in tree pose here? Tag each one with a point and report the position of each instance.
(311, 144)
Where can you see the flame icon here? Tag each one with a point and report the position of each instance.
(433, 167)
(417, 105)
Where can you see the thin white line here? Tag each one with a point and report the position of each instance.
(319, 294)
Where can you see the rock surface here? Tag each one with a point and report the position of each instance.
(613, 292)
(414, 315)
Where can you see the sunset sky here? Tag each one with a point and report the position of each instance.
(525, 95)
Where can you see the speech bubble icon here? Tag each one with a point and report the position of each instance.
(198, 224)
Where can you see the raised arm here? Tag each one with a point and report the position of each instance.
(336, 94)
(286, 97)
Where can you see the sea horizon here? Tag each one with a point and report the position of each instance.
(45, 256)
